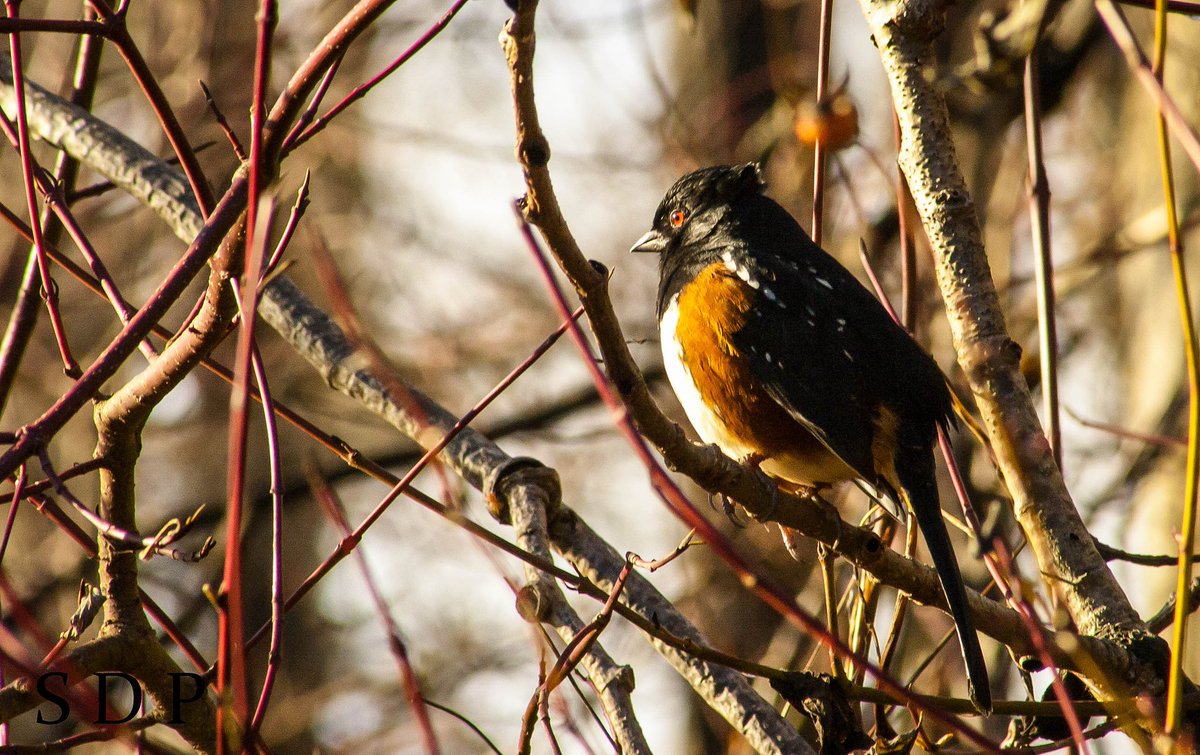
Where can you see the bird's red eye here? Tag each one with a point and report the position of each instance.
(676, 218)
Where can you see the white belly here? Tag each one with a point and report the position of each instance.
(708, 424)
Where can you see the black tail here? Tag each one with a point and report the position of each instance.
(914, 468)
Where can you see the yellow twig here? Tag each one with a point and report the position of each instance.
(1187, 532)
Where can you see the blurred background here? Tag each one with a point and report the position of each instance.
(412, 189)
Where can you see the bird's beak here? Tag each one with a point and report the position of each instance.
(653, 241)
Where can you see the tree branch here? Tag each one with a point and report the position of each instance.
(903, 33)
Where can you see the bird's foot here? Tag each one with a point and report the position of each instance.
(812, 493)
(792, 540)
(727, 506)
(807, 492)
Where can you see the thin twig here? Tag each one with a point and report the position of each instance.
(333, 508)
(274, 453)
(17, 494)
(1039, 220)
(1177, 683)
(23, 316)
(468, 722)
(169, 533)
(28, 167)
(119, 34)
(289, 229)
(825, 26)
(1179, 126)
(362, 90)
(238, 151)
(579, 645)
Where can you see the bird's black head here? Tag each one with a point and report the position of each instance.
(694, 207)
(694, 220)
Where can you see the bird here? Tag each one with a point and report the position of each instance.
(785, 361)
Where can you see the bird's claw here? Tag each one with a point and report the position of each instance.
(728, 507)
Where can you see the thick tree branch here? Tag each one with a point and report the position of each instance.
(903, 33)
(529, 492)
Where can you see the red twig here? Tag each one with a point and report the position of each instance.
(49, 288)
(17, 494)
(1037, 635)
(157, 543)
(114, 22)
(569, 658)
(361, 90)
(21, 320)
(312, 71)
(416, 699)
(14, 25)
(376, 362)
(1000, 566)
(1119, 29)
(314, 104)
(289, 230)
(825, 24)
(1122, 432)
(658, 563)
(880, 294)
(63, 212)
(231, 656)
(273, 455)
(238, 151)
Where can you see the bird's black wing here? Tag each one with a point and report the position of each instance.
(822, 345)
(837, 358)
(806, 347)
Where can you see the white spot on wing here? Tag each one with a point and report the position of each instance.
(743, 272)
(825, 283)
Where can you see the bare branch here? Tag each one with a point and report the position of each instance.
(903, 33)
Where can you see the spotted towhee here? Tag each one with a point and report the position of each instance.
(785, 361)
